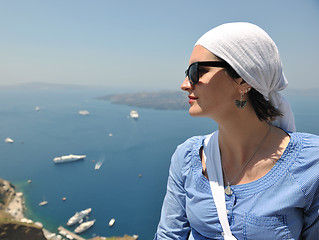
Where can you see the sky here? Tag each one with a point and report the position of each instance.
(142, 44)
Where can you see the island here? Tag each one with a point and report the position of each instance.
(162, 100)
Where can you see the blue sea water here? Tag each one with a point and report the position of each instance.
(142, 146)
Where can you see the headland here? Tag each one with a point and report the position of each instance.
(163, 100)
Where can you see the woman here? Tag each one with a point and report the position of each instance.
(268, 171)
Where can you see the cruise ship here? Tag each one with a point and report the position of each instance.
(84, 226)
(68, 158)
(78, 216)
(134, 114)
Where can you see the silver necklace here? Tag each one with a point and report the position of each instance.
(228, 190)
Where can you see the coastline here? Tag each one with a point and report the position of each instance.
(15, 208)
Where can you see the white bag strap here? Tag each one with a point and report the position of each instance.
(215, 175)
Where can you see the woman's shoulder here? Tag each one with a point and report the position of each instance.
(191, 142)
(189, 146)
(304, 159)
(306, 143)
(303, 148)
(307, 135)
(184, 152)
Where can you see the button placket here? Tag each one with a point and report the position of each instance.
(230, 202)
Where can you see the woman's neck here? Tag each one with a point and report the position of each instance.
(249, 149)
(239, 141)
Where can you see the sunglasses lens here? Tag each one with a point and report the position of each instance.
(193, 74)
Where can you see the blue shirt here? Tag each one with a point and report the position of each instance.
(283, 204)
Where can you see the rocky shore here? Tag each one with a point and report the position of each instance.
(14, 225)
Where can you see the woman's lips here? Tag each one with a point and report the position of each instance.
(192, 99)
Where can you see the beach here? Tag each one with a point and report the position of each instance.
(15, 207)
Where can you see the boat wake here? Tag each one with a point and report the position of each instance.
(98, 165)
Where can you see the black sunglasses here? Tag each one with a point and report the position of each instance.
(193, 74)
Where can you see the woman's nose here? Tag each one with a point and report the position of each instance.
(186, 86)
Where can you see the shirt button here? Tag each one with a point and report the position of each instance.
(223, 234)
(227, 211)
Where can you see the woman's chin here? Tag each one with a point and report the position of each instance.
(194, 112)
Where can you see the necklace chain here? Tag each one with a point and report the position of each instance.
(241, 170)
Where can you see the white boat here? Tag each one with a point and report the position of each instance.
(78, 216)
(112, 221)
(68, 158)
(84, 112)
(8, 140)
(84, 226)
(43, 203)
(134, 114)
(98, 165)
(37, 108)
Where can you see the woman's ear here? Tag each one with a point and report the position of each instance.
(243, 86)
(239, 81)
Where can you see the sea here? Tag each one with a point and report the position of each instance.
(130, 184)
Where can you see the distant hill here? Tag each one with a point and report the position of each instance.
(42, 86)
(301, 92)
(164, 100)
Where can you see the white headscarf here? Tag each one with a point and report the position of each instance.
(255, 57)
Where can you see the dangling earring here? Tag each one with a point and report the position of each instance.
(241, 103)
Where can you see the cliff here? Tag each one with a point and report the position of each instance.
(15, 230)
(7, 191)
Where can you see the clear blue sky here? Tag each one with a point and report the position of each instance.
(142, 43)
